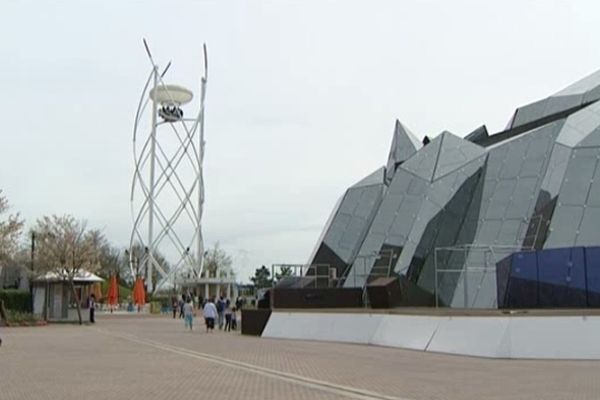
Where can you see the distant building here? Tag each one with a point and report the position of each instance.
(208, 284)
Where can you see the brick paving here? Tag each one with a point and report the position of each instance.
(140, 357)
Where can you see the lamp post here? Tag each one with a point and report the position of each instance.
(32, 251)
(32, 268)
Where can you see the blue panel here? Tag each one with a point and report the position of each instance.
(562, 277)
(522, 288)
(592, 261)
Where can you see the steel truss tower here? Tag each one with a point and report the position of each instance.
(167, 192)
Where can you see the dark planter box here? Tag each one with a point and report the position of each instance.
(254, 321)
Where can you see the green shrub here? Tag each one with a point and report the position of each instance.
(17, 317)
(16, 300)
(164, 300)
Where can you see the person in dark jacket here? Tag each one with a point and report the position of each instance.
(92, 304)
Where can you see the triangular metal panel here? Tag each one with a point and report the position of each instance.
(582, 86)
(374, 178)
(423, 162)
(404, 145)
(478, 134)
(581, 128)
(558, 104)
(591, 140)
(584, 91)
(455, 152)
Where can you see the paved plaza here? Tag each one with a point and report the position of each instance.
(143, 357)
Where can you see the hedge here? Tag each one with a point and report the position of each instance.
(16, 300)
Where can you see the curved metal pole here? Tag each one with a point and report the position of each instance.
(200, 241)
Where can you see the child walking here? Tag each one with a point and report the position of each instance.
(188, 313)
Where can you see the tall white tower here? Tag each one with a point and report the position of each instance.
(167, 192)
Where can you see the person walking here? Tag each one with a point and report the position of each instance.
(174, 306)
(210, 313)
(181, 304)
(92, 304)
(234, 318)
(221, 311)
(227, 317)
(188, 312)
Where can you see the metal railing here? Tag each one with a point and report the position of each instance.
(480, 259)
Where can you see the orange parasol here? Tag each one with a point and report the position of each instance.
(112, 294)
(139, 294)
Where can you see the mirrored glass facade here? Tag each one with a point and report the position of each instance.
(444, 215)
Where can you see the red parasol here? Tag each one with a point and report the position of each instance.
(112, 294)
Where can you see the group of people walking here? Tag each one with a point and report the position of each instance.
(218, 311)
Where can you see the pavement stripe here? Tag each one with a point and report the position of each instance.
(325, 386)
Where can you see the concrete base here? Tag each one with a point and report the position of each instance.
(529, 337)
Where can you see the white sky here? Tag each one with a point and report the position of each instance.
(301, 101)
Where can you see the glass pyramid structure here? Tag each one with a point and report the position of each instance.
(441, 216)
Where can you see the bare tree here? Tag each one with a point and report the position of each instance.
(10, 231)
(216, 259)
(138, 257)
(66, 247)
(111, 260)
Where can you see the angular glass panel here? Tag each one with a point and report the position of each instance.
(557, 104)
(423, 162)
(337, 228)
(350, 201)
(531, 167)
(594, 195)
(564, 226)
(513, 161)
(511, 233)
(529, 113)
(577, 181)
(454, 153)
(404, 146)
(589, 230)
(555, 171)
(373, 179)
(522, 199)
(579, 125)
(488, 232)
(486, 292)
(593, 139)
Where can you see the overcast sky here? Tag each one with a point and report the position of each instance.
(301, 102)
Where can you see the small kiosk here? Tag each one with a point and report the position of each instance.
(53, 298)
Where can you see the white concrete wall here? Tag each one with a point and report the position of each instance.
(351, 328)
(564, 337)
